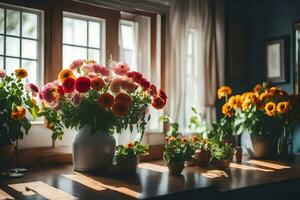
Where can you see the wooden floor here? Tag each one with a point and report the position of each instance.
(251, 180)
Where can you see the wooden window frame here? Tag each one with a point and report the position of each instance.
(53, 20)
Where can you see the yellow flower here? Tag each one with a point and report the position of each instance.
(21, 73)
(246, 104)
(251, 97)
(224, 91)
(184, 140)
(282, 107)
(257, 88)
(227, 110)
(264, 95)
(65, 73)
(270, 109)
(234, 101)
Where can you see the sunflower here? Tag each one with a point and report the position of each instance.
(227, 110)
(270, 109)
(21, 73)
(282, 107)
(65, 73)
(224, 91)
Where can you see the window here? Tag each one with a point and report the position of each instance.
(83, 38)
(21, 41)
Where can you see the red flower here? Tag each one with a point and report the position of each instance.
(106, 100)
(153, 90)
(158, 103)
(120, 108)
(162, 94)
(145, 84)
(69, 85)
(123, 97)
(136, 76)
(97, 83)
(60, 90)
(99, 69)
(83, 84)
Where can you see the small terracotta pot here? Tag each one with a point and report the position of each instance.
(7, 156)
(238, 152)
(125, 166)
(202, 157)
(175, 168)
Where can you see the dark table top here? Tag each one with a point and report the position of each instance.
(153, 181)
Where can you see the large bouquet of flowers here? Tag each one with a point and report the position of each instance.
(87, 93)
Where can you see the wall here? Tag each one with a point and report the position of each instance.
(262, 20)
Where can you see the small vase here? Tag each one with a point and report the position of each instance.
(284, 143)
(7, 156)
(176, 167)
(93, 151)
(202, 157)
(238, 153)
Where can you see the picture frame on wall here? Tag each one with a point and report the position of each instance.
(276, 62)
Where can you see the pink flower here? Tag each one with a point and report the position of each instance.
(2, 73)
(121, 69)
(115, 84)
(136, 76)
(33, 88)
(49, 93)
(86, 68)
(130, 86)
(76, 63)
(99, 69)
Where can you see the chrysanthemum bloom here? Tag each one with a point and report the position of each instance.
(100, 69)
(120, 69)
(76, 63)
(69, 85)
(158, 103)
(123, 97)
(129, 145)
(106, 100)
(2, 73)
(82, 84)
(227, 110)
(49, 93)
(97, 83)
(234, 102)
(257, 88)
(162, 94)
(282, 107)
(270, 109)
(120, 109)
(153, 90)
(65, 73)
(224, 91)
(21, 73)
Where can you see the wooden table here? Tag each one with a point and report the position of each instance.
(250, 180)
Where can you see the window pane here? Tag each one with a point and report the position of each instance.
(11, 65)
(127, 57)
(1, 62)
(94, 34)
(127, 35)
(72, 53)
(74, 31)
(190, 43)
(12, 46)
(29, 49)
(1, 44)
(29, 25)
(94, 55)
(13, 22)
(31, 67)
(2, 20)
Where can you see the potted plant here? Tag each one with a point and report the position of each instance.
(127, 158)
(98, 103)
(177, 149)
(14, 101)
(222, 154)
(202, 150)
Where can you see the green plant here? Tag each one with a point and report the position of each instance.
(173, 126)
(222, 151)
(131, 150)
(14, 100)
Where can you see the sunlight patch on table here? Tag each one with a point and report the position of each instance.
(268, 164)
(5, 196)
(214, 174)
(251, 168)
(153, 167)
(43, 189)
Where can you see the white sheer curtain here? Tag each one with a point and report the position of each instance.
(206, 18)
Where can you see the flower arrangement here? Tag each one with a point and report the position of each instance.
(131, 150)
(15, 99)
(87, 93)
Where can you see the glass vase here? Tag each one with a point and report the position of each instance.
(284, 145)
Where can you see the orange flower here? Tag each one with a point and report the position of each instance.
(172, 139)
(106, 100)
(224, 91)
(184, 140)
(195, 138)
(14, 115)
(270, 109)
(19, 113)
(265, 95)
(257, 88)
(130, 145)
(282, 107)
(166, 138)
(34, 101)
(21, 73)
(123, 97)
(246, 104)
(204, 141)
(227, 110)
(120, 109)
(234, 102)
(97, 83)
(65, 73)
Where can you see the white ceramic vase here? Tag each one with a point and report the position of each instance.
(92, 151)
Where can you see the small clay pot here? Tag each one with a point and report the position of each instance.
(7, 156)
(202, 157)
(238, 153)
(175, 168)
